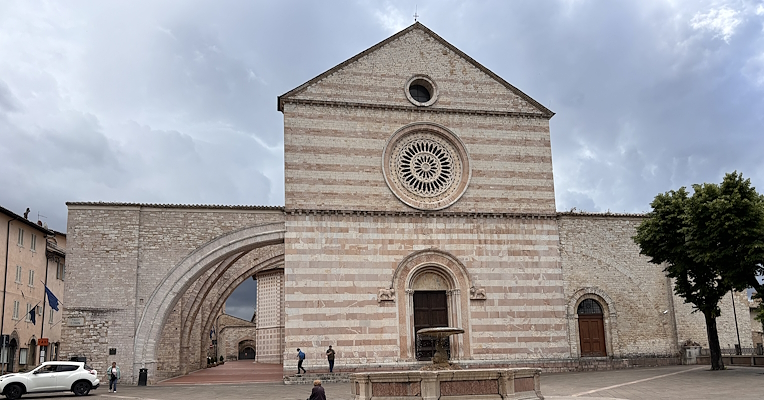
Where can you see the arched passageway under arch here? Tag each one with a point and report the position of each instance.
(208, 269)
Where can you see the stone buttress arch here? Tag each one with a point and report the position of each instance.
(182, 276)
(609, 317)
(458, 280)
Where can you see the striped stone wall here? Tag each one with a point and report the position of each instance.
(333, 159)
(336, 128)
(337, 263)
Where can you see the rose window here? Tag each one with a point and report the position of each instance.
(426, 166)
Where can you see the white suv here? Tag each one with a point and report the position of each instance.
(51, 376)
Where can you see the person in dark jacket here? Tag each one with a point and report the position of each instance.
(330, 358)
(318, 391)
(300, 359)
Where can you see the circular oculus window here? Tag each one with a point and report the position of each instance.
(426, 166)
(421, 91)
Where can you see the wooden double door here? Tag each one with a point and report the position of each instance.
(430, 311)
(591, 330)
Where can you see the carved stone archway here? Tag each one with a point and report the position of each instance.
(457, 282)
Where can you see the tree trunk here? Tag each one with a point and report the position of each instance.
(713, 342)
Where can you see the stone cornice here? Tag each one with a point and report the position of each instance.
(97, 204)
(436, 110)
(583, 214)
(575, 214)
(422, 214)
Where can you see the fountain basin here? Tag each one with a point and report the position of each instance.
(483, 384)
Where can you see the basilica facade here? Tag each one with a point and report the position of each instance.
(419, 193)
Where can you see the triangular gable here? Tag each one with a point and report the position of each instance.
(519, 101)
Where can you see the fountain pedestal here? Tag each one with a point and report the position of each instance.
(443, 380)
(483, 384)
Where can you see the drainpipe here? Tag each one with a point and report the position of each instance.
(5, 285)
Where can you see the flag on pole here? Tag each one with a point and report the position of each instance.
(52, 299)
(33, 315)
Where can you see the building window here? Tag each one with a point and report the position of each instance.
(31, 278)
(421, 91)
(21, 237)
(29, 308)
(18, 274)
(33, 243)
(59, 270)
(50, 319)
(15, 309)
(23, 356)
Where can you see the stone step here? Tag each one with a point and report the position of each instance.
(308, 378)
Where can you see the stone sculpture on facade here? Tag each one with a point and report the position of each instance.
(386, 295)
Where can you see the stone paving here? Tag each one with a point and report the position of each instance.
(676, 382)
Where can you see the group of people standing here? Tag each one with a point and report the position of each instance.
(301, 357)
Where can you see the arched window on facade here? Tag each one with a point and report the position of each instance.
(591, 329)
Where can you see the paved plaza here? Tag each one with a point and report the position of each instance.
(677, 382)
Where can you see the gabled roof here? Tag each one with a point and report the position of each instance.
(545, 112)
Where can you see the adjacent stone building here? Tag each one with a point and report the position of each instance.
(419, 193)
(33, 258)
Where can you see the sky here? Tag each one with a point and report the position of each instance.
(175, 101)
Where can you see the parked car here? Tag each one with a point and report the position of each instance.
(51, 376)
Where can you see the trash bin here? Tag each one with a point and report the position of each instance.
(143, 377)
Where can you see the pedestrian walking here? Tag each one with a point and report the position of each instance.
(330, 358)
(113, 374)
(301, 358)
(318, 391)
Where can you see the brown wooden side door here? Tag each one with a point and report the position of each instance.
(430, 311)
(592, 332)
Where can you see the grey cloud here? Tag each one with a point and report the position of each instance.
(8, 102)
(242, 301)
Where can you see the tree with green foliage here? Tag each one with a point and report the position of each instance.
(710, 242)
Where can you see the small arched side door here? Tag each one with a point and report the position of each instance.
(591, 329)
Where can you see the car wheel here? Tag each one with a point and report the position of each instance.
(81, 388)
(13, 392)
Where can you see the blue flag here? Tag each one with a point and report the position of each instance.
(33, 315)
(52, 299)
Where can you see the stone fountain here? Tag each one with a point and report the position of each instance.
(440, 358)
(443, 380)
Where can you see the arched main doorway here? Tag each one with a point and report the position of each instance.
(430, 311)
(591, 328)
(433, 287)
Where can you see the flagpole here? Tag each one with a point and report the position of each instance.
(44, 295)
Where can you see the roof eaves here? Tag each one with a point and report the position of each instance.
(280, 99)
(23, 220)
